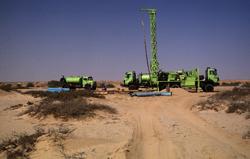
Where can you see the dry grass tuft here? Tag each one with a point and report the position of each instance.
(14, 107)
(20, 145)
(60, 133)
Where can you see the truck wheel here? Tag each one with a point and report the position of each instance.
(88, 87)
(209, 88)
(203, 88)
(64, 83)
(132, 87)
(93, 87)
(175, 86)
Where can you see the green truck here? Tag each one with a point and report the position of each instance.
(156, 78)
(174, 79)
(73, 82)
(190, 79)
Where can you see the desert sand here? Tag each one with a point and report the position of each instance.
(143, 128)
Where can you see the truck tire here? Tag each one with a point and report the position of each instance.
(209, 88)
(93, 86)
(132, 87)
(88, 87)
(175, 86)
(64, 83)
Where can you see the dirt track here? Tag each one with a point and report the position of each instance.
(166, 128)
(145, 128)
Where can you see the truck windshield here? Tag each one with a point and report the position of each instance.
(213, 72)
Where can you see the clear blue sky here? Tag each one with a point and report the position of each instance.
(43, 39)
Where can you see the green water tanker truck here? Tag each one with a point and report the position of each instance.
(73, 82)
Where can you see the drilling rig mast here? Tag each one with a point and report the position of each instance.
(154, 64)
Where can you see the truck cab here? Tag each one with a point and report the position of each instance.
(210, 80)
(88, 82)
(212, 76)
(129, 79)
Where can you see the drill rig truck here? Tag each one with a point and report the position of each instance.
(160, 79)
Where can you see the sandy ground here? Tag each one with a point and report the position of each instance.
(145, 127)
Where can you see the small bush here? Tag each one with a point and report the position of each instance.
(59, 133)
(6, 87)
(77, 108)
(239, 107)
(30, 84)
(66, 105)
(13, 107)
(20, 145)
(230, 84)
(54, 83)
(29, 103)
(110, 85)
(246, 85)
(64, 96)
(233, 101)
(236, 93)
(10, 87)
(105, 85)
(19, 86)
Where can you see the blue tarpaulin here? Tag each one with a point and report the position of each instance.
(146, 94)
(57, 90)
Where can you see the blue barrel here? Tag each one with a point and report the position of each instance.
(57, 90)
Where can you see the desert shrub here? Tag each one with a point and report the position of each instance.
(13, 107)
(64, 96)
(236, 93)
(54, 83)
(247, 85)
(233, 101)
(66, 105)
(77, 108)
(238, 107)
(19, 86)
(230, 83)
(29, 84)
(110, 85)
(6, 87)
(105, 85)
(20, 145)
(12, 87)
(59, 133)
(29, 103)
